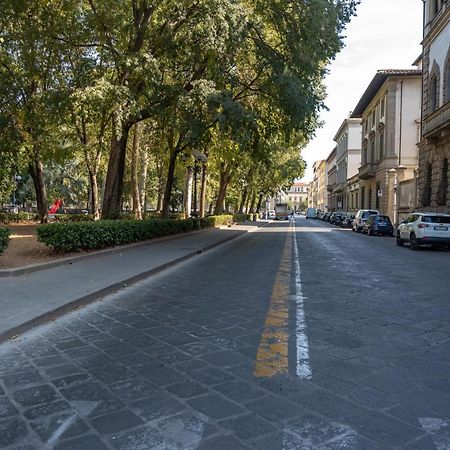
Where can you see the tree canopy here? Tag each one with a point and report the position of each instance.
(240, 80)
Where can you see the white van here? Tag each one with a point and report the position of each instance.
(311, 213)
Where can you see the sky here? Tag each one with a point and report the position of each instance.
(385, 34)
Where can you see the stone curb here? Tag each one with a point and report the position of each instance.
(93, 296)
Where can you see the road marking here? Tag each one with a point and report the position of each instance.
(272, 355)
(61, 430)
(439, 431)
(303, 368)
(311, 435)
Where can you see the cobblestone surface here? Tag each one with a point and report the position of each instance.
(169, 363)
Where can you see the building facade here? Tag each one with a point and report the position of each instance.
(319, 185)
(297, 196)
(348, 160)
(389, 112)
(434, 146)
(331, 180)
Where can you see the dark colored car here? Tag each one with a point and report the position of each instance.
(378, 224)
(347, 220)
(326, 217)
(336, 218)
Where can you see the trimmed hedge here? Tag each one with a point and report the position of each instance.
(241, 217)
(215, 221)
(73, 218)
(18, 217)
(4, 239)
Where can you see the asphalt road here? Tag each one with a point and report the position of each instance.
(297, 336)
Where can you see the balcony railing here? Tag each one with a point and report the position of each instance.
(367, 171)
(436, 122)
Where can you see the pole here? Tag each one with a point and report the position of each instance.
(195, 187)
(395, 199)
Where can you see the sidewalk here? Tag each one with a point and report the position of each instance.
(36, 297)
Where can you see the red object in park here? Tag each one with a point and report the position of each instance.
(55, 206)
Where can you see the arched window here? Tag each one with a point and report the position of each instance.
(447, 78)
(426, 192)
(433, 89)
(433, 93)
(441, 196)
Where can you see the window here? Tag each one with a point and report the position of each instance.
(373, 118)
(433, 93)
(382, 107)
(377, 201)
(370, 198)
(363, 197)
(372, 151)
(447, 79)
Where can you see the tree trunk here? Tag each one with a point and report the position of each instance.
(112, 197)
(260, 199)
(169, 183)
(243, 200)
(36, 169)
(251, 208)
(187, 197)
(224, 181)
(136, 198)
(94, 194)
(203, 190)
(143, 179)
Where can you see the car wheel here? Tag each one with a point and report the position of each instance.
(413, 242)
(400, 243)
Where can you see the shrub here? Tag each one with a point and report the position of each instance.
(4, 239)
(73, 218)
(72, 236)
(241, 217)
(18, 217)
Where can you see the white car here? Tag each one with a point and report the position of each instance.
(424, 229)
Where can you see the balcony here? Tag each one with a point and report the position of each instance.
(438, 121)
(366, 171)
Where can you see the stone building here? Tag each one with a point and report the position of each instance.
(434, 147)
(331, 180)
(320, 200)
(348, 160)
(389, 112)
(297, 196)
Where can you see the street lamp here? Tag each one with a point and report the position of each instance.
(198, 157)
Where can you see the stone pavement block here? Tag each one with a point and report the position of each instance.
(248, 426)
(62, 371)
(211, 376)
(35, 395)
(158, 407)
(214, 406)
(69, 380)
(187, 389)
(240, 391)
(223, 443)
(48, 427)
(145, 437)
(12, 431)
(383, 429)
(49, 361)
(17, 379)
(225, 359)
(6, 408)
(162, 376)
(374, 398)
(274, 408)
(134, 388)
(116, 421)
(46, 409)
(88, 442)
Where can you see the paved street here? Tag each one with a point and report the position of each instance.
(296, 336)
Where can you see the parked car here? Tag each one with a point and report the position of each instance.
(378, 225)
(271, 214)
(430, 229)
(336, 217)
(311, 213)
(360, 219)
(326, 216)
(347, 220)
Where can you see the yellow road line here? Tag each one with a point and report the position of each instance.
(272, 355)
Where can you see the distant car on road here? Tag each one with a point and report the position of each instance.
(271, 214)
(360, 219)
(378, 225)
(432, 229)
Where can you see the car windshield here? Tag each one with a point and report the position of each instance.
(366, 214)
(383, 219)
(436, 219)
